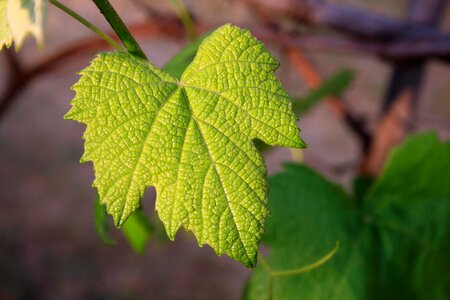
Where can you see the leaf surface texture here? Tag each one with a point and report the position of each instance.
(190, 138)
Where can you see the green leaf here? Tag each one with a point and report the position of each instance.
(309, 215)
(394, 246)
(180, 61)
(334, 85)
(101, 222)
(191, 139)
(137, 229)
(18, 19)
(419, 166)
(361, 184)
(411, 203)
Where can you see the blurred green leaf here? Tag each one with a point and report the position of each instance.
(334, 85)
(309, 215)
(411, 204)
(185, 16)
(361, 184)
(138, 230)
(101, 222)
(179, 62)
(394, 243)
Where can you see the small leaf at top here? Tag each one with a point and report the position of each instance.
(5, 32)
(191, 139)
(19, 18)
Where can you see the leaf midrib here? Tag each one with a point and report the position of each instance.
(212, 160)
(138, 161)
(196, 121)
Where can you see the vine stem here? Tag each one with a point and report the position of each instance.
(88, 24)
(185, 16)
(300, 270)
(274, 274)
(119, 28)
(310, 267)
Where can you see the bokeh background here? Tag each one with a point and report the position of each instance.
(49, 248)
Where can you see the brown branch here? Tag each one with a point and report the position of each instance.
(346, 19)
(313, 79)
(168, 26)
(396, 50)
(306, 69)
(16, 80)
(155, 28)
(13, 62)
(366, 31)
(403, 92)
(390, 131)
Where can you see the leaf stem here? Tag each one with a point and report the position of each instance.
(185, 16)
(119, 28)
(88, 24)
(300, 270)
(310, 267)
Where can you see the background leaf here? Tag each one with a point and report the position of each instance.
(309, 215)
(411, 204)
(138, 230)
(101, 222)
(180, 61)
(334, 85)
(394, 243)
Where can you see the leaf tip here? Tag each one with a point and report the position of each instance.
(68, 115)
(301, 144)
(120, 218)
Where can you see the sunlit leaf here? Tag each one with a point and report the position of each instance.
(190, 138)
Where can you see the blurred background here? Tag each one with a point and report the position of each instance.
(364, 72)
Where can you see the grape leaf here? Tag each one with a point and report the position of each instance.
(191, 139)
(394, 243)
(309, 215)
(411, 203)
(18, 19)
